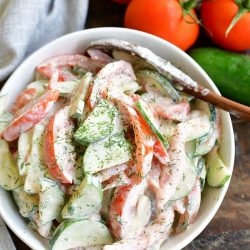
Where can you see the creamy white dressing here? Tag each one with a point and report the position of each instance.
(124, 158)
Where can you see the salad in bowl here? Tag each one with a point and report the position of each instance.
(103, 150)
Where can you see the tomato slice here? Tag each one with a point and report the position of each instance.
(144, 140)
(176, 112)
(59, 151)
(25, 97)
(54, 79)
(107, 78)
(64, 73)
(160, 152)
(123, 207)
(64, 63)
(108, 173)
(31, 115)
(192, 204)
(116, 181)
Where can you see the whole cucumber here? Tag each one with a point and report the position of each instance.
(229, 71)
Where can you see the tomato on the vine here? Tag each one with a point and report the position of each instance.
(227, 22)
(172, 20)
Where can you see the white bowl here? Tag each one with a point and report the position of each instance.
(77, 42)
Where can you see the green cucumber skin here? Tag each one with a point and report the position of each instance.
(59, 230)
(67, 223)
(229, 71)
(164, 83)
(151, 125)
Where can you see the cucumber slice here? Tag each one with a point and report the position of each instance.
(9, 175)
(65, 88)
(39, 86)
(158, 81)
(167, 127)
(27, 204)
(3, 103)
(206, 146)
(24, 150)
(210, 111)
(202, 172)
(197, 126)
(80, 233)
(85, 200)
(142, 216)
(77, 102)
(37, 168)
(5, 119)
(190, 148)
(51, 200)
(43, 229)
(144, 110)
(107, 153)
(79, 172)
(106, 200)
(187, 181)
(218, 174)
(207, 108)
(99, 124)
(3, 126)
(121, 87)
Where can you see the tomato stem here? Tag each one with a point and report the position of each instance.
(246, 4)
(187, 6)
(242, 10)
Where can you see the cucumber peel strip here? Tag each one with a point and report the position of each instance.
(142, 108)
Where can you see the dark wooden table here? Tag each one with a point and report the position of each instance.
(230, 228)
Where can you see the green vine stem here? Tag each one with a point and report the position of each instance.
(244, 7)
(187, 6)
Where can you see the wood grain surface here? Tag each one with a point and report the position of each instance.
(230, 228)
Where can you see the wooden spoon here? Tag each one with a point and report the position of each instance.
(187, 84)
(235, 108)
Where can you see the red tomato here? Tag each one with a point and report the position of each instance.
(192, 204)
(122, 1)
(163, 18)
(217, 16)
(160, 152)
(123, 208)
(144, 140)
(59, 151)
(31, 115)
(63, 64)
(25, 97)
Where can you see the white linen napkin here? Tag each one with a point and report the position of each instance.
(27, 25)
(6, 242)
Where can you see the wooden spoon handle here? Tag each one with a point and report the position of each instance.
(235, 108)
